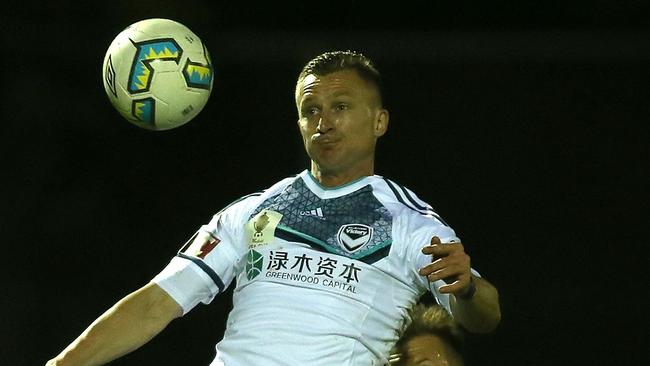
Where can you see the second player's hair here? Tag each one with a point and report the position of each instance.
(429, 320)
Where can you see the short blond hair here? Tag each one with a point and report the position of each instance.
(334, 61)
(429, 320)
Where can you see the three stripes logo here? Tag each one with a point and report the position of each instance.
(317, 213)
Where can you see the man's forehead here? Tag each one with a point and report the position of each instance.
(338, 83)
(429, 347)
(333, 81)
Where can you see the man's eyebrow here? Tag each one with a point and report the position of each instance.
(306, 100)
(342, 93)
(310, 99)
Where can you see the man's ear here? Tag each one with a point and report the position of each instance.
(381, 122)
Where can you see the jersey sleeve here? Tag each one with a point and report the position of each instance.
(424, 229)
(206, 265)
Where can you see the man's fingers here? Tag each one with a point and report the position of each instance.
(450, 288)
(443, 269)
(457, 286)
(457, 264)
(436, 265)
(441, 250)
(429, 248)
(447, 274)
(449, 263)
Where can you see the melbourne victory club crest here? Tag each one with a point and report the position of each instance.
(260, 230)
(354, 236)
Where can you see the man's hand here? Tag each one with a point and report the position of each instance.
(450, 263)
(475, 304)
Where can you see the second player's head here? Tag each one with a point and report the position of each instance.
(432, 338)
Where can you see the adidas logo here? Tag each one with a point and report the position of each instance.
(318, 213)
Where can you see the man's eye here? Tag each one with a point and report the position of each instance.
(341, 107)
(310, 111)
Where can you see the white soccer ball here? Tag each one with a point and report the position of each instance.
(157, 73)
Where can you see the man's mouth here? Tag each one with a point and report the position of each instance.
(324, 139)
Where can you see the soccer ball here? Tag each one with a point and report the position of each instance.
(157, 73)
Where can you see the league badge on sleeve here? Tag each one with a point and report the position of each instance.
(200, 244)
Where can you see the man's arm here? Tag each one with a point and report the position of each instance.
(481, 313)
(129, 324)
(475, 302)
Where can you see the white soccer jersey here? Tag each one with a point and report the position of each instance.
(324, 276)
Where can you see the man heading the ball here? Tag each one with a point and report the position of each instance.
(327, 263)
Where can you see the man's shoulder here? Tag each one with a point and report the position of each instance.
(392, 192)
(403, 202)
(251, 200)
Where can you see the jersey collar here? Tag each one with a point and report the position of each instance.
(333, 192)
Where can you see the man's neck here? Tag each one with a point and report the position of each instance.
(334, 179)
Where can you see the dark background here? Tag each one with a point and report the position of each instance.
(524, 125)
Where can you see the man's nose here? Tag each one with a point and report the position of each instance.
(325, 123)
